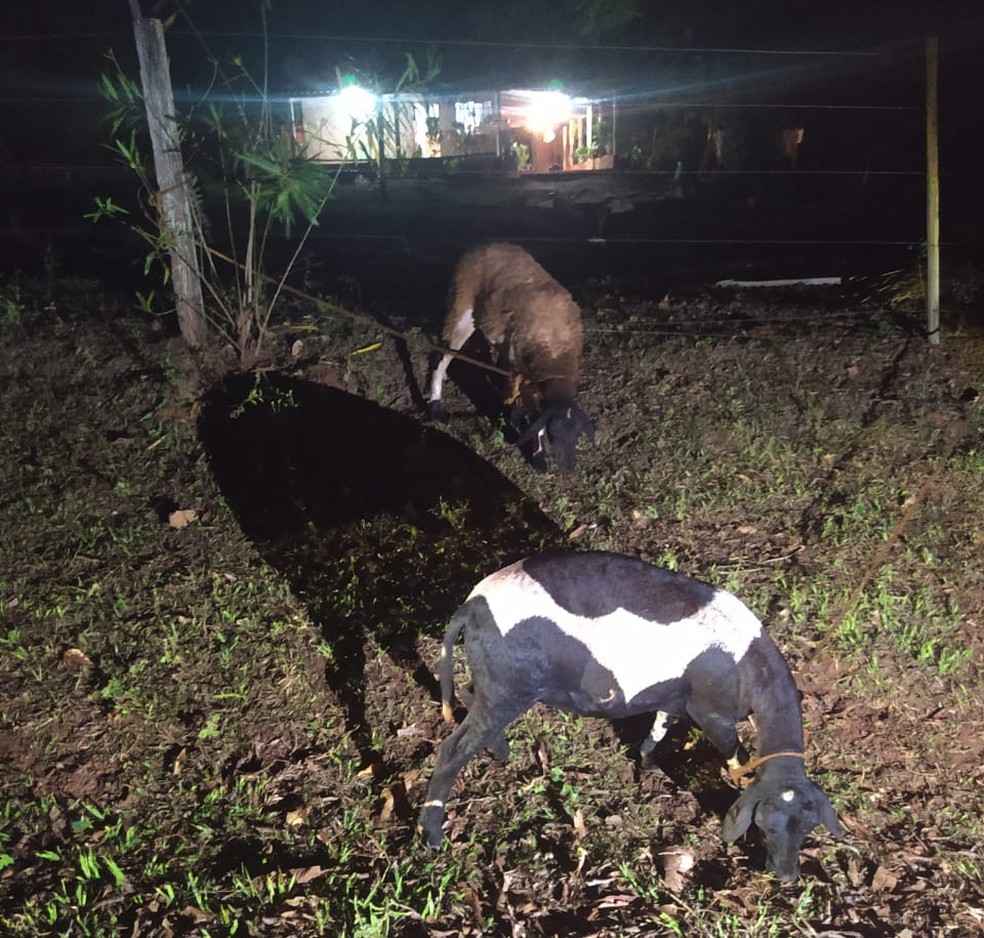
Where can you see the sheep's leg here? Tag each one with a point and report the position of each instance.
(660, 725)
(460, 332)
(538, 458)
(723, 734)
(479, 730)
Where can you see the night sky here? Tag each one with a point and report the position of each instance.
(56, 47)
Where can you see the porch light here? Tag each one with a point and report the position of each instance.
(544, 111)
(357, 103)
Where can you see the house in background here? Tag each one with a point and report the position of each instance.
(528, 130)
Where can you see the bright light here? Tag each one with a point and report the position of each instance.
(357, 103)
(545, 111)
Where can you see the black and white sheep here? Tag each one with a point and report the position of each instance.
(604, 635)
(533, 327)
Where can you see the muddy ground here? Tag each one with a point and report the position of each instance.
(222, 597)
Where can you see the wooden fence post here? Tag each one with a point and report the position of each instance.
(177, 223)
(932, 193)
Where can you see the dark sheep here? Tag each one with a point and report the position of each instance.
(603, 635)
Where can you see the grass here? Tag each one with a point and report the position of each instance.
(213, 734)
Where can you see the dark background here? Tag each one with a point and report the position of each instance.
(855, 68)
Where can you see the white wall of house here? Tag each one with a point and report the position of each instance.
(340, 127)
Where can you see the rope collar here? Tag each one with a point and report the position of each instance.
(739, 772)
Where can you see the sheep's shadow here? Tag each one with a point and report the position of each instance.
(380, 523)
(693, 766)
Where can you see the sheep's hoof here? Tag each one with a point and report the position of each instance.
(436, 411)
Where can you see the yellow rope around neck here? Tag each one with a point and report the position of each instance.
(517, 387)
(739, 772)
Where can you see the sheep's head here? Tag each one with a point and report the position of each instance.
(785, 812)
(560, 427)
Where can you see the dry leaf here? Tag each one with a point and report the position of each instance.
(298, 817)
(883, 880)
(182, 517)
(306, 874)
(676, 864)
(387, 809)
(578, 821)
(76, 659)
(615, 900)
(296, 349)
(179, 761)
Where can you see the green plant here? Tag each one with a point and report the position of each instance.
(266, 182)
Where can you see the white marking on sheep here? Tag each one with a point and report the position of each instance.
(661, 724)
(788, 795)
(637, 651)
(460, 334)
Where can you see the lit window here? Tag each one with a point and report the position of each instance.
(468, 114)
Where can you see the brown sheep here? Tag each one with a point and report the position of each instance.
(533, 327)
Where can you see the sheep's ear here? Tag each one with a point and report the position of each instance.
(829, 819)
(823, 810)
(584, 423)
(738, 819)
